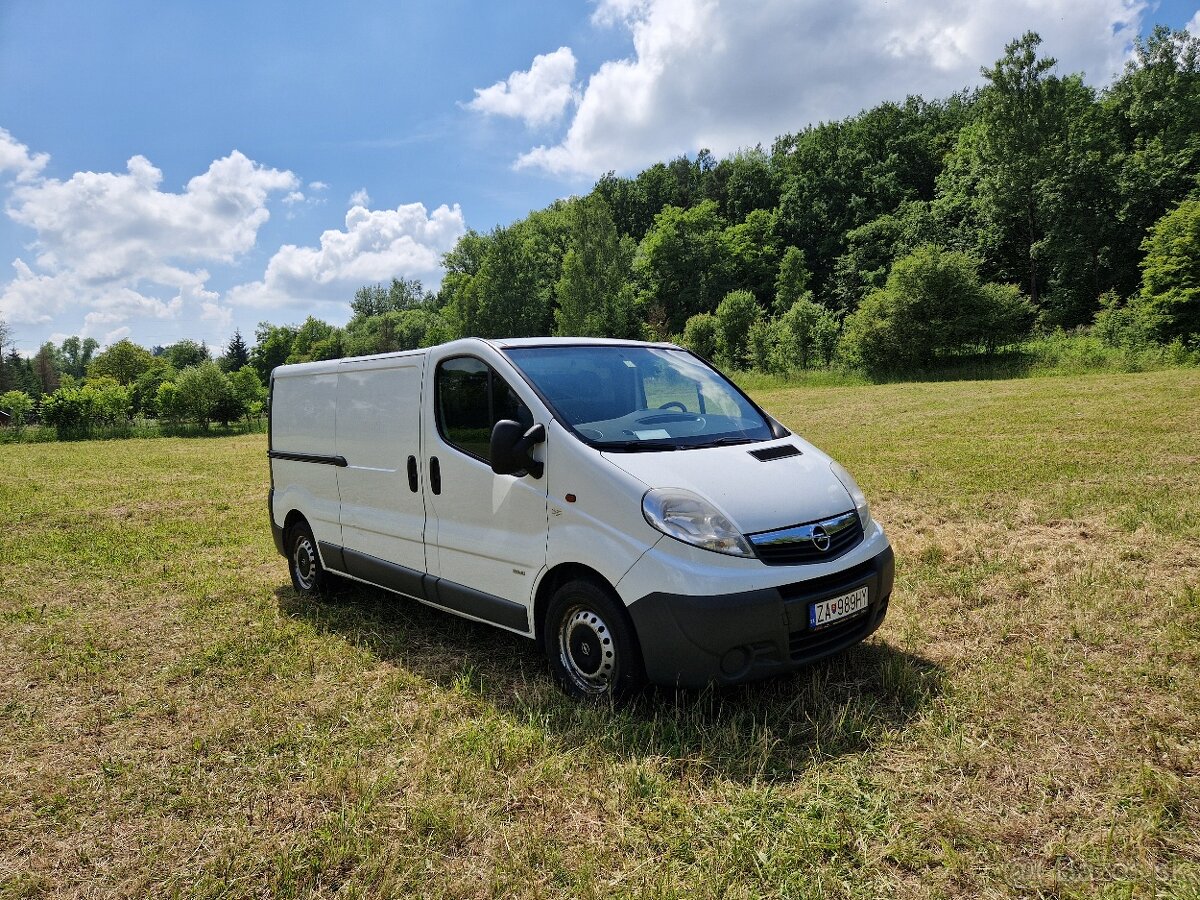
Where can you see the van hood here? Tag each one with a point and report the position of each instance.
(755, 495)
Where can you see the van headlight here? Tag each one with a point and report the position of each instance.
(690, 518)
(855, 492)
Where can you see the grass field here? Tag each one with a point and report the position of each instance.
(175, 721)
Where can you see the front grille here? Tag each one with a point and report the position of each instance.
(802, 544)
(806, 644)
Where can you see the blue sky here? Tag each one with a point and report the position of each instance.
(176, 170)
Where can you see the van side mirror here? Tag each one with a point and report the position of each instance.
(510, 448)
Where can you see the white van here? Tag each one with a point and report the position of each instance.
(623, 503)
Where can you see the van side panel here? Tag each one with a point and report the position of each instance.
(378, 430)
(303, 412)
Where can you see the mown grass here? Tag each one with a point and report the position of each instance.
(174, 721)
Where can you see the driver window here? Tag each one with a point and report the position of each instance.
(471, 399)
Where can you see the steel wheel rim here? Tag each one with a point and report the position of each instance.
(587, 650)
(304, 564)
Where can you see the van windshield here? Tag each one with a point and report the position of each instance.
(640, 398)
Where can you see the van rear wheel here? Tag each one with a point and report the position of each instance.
(308, 575)
(590, 643)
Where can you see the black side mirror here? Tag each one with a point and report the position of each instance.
(511, 444)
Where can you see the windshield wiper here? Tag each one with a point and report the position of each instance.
(719, 442)
(635, 446)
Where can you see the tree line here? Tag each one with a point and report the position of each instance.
(78, 392)
(892, 241)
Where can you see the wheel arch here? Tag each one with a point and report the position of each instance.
(556, 578)
(292, 519)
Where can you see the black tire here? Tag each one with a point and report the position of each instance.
(592, 648)
(309, 577)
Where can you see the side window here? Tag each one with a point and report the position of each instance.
(471, 398)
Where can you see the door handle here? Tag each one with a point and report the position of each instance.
(435, 475)
(412, 474)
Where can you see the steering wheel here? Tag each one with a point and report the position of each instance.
(674, 403)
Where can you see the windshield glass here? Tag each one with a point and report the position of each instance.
(640, 398)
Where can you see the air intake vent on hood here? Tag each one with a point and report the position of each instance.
(769, 453)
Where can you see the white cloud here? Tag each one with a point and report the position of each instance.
(360, 198)
(15, 157)
(115, 335)
(537, 97)
(294, 197)
(117, 248)
(317, 186)
(1193, 26)
(376, 245)
(723, 74)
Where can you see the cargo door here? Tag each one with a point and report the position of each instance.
(383, 498)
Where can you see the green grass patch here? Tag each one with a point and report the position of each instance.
(175, 721)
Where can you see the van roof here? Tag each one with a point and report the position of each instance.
(333, 365)
(504, 343)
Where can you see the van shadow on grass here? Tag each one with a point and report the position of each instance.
(768, 729)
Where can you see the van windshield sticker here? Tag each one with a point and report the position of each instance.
(654, 434)
(631, 363)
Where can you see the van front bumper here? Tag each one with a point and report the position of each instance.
(690, 641)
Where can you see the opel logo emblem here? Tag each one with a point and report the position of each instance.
(820, 538)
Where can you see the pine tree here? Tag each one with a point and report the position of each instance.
(237, 354)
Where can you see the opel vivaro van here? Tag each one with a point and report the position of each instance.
(622, 503)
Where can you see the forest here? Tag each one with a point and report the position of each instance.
(892, 243)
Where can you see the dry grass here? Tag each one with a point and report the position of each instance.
(174, 721)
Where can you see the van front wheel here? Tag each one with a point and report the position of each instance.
(308, 575)
(590, 643)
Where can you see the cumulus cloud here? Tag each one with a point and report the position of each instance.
(16, 158)
(376, 245)
(118, 248)
(723, 74)
(117, 334)
(360, 198)
(537, 97)
(1193, 26)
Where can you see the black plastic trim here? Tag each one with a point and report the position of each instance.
(276, 529)
(780, 451)
(319, 458)
(332, 557)
(477, 603)
(422, 586)
(690, 641)
(388, 575)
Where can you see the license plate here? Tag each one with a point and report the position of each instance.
(826, 612)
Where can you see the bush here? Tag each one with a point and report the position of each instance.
(700, 335)
(205, 394)
(764, 341)
(1169, 302)
(933, 305)
(808, 335)
(17, 404)
(1120, 325)
(736, 315)
(75, 412)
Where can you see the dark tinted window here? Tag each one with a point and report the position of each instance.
(471, 398)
